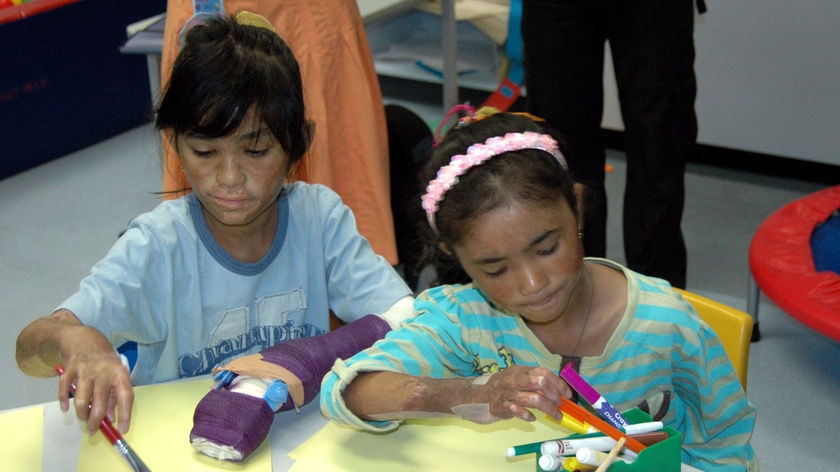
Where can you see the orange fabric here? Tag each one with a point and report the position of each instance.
(350, 151)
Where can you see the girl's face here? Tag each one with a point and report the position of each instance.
(237, 177)
(525, 257)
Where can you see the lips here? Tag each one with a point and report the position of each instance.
(544, 302)
(229, 201)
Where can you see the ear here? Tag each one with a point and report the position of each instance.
(443, 247)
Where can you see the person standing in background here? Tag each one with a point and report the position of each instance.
(652, 46)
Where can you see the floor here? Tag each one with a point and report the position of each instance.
(58, 219)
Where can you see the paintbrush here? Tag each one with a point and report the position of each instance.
(114, 437)
(611, 456)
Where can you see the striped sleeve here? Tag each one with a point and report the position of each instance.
(455, 334)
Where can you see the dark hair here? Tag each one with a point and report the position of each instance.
(224, 70)
(528, 175)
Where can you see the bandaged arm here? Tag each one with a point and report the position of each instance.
(302, 363)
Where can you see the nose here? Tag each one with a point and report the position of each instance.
(229, 173)
(531, 279)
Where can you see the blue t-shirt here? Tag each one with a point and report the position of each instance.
(167, 285)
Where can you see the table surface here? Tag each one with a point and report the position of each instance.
(300, 442)
(303, 441)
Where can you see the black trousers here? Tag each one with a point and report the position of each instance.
(652, 46)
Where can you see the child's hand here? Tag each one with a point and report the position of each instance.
(101, 380)
(510, 392)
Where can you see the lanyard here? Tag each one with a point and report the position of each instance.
(511, 87)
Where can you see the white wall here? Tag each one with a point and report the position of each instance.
(768, 74)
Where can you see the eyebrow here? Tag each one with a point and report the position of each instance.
(536, 241)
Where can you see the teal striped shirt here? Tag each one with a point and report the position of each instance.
(661, 358)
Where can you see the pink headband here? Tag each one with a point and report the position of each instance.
(477, 154)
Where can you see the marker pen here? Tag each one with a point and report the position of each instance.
(589, 456)
(582, 414)
(570, 375)
(561, 447)
(571, 423)
(570, 446)
(581, 427)
(571, 463)
(642, 428)
(523, 449)
(551, 463)
(649, 439)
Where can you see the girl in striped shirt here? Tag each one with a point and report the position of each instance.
(520, 301)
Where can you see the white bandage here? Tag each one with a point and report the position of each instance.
(476, 412)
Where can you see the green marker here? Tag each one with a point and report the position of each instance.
(523, 449)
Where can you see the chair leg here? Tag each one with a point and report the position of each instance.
(753, 295)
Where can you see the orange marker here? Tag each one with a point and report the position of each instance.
(581, 414)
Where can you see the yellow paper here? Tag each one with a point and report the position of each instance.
(160, 430)
(21, 429)
(429, 444)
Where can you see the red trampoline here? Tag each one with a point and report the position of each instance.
(782, 262)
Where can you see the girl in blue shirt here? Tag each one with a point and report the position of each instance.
(240, 275)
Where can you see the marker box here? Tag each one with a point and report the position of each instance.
(663, 456)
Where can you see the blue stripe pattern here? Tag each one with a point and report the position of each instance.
(661, 354)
